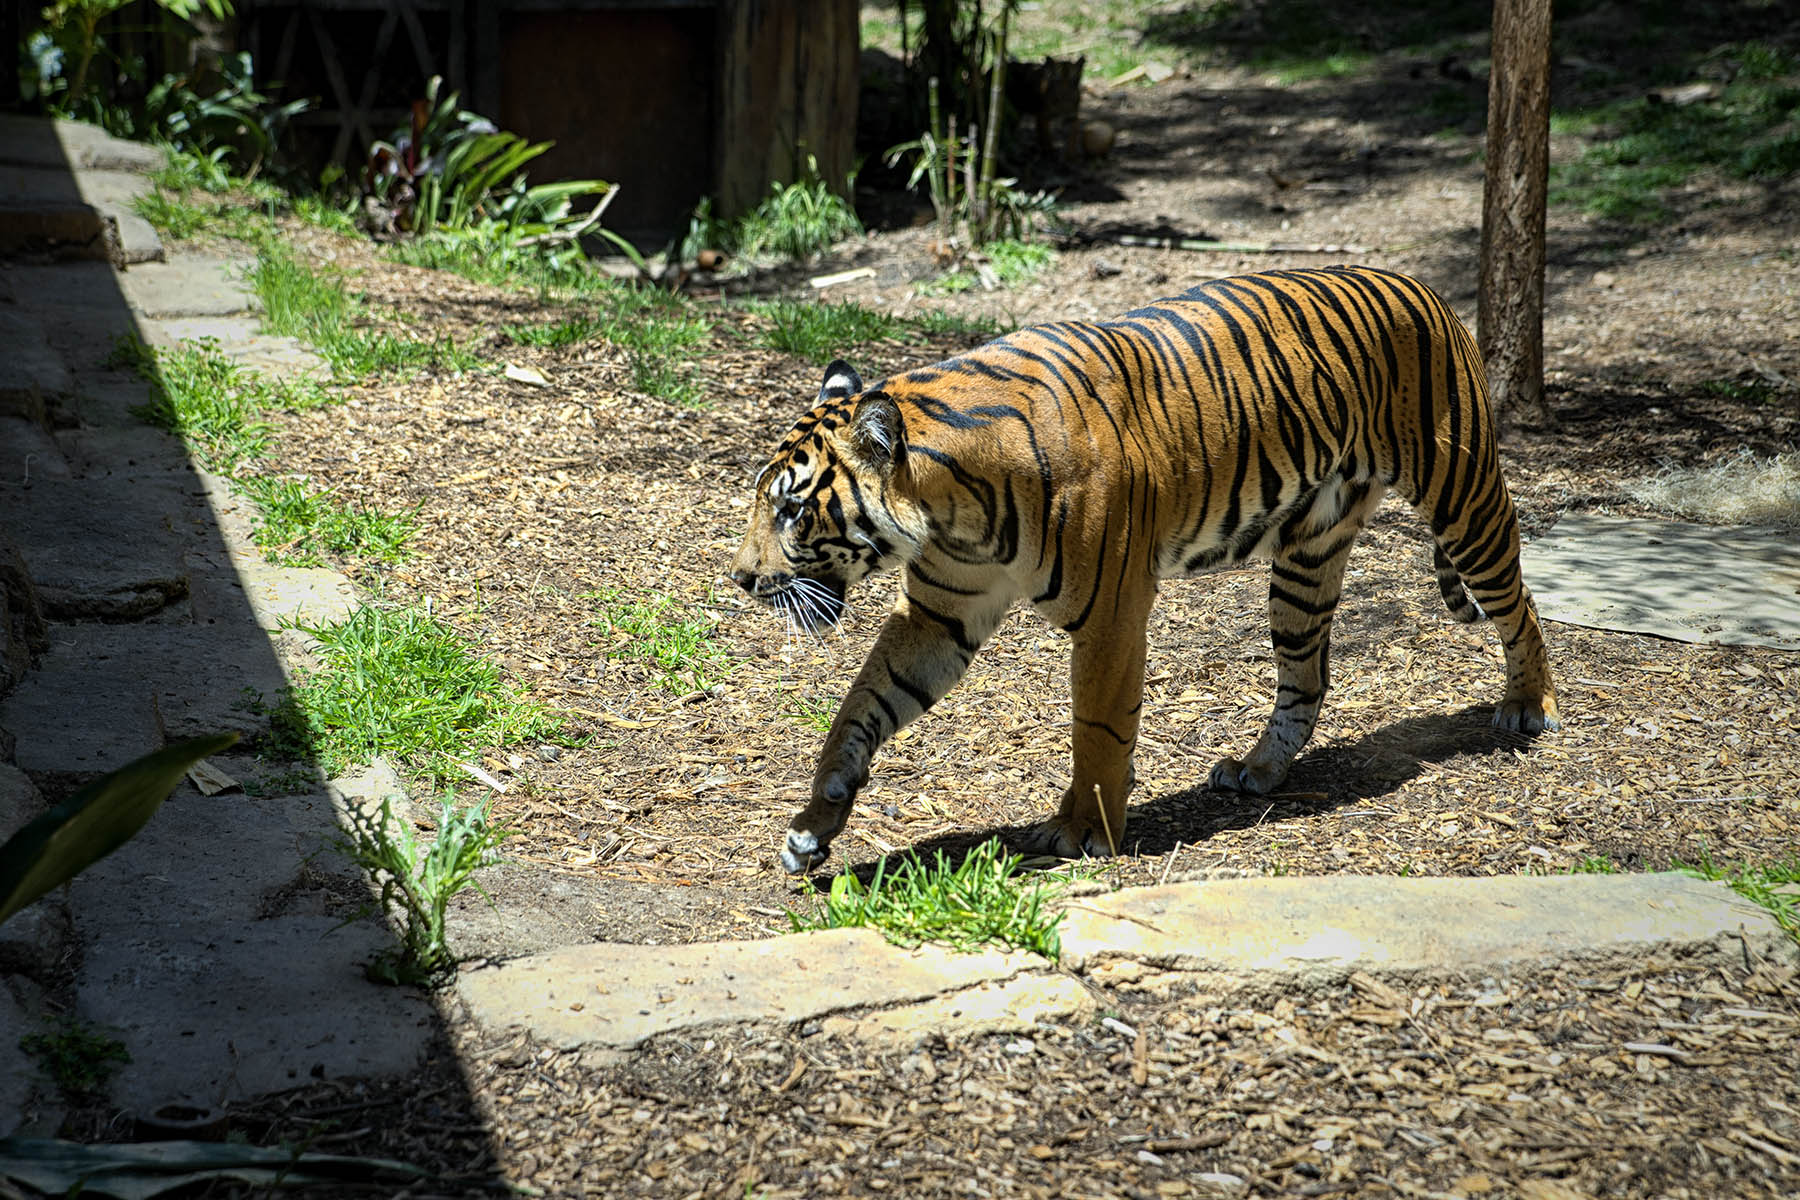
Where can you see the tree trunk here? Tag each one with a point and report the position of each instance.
(1510, 321)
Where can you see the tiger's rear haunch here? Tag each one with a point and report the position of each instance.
(1075, 464)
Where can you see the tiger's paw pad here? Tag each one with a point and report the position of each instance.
(1526, 716)
(1234, 776)
(802, 852)
(1055, 838)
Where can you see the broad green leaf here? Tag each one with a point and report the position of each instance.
(94, 822)
(141, 1170)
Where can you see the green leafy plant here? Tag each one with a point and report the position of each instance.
(402, 683)
(678, 648)
(798, 220)
(142, 1170)
(78, 1058)
(95, 821)
(231, 118)
(73, 28)
(453, 174)
(980, 900)
(821, 332)
(1003, 263)
(416, 880)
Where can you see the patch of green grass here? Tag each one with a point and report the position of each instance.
(316, 210)
(937, 323)
(1751, 130)
(981, 900)
(401, 683)
(821, 332)
(1774, 886)
(204, 397)
(1595, 864)
(301, 527)
(555, 333)
(651, 629)
(1012, 262)
(1753, 391)
(811, 711)
(315, 307)
(290, 781)
(1299, 40)
(77, 1057)
(172, 216)
(416, 880)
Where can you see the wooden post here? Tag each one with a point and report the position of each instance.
(1510, 319)
(786, 89)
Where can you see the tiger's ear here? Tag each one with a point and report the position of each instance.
(876, 432)
(841, 382)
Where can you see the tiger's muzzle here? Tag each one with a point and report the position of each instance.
(809, 602)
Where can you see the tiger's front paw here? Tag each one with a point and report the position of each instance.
(809, 834)
(1252, 779)
(1526, 715)
(803, 852)
(1063, 838)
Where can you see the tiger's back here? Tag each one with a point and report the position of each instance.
(1073, 464)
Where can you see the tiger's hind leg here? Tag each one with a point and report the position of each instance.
(1306, 580)
(1486, 556)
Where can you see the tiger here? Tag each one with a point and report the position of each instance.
(1075, 464)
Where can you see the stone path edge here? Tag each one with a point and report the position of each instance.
(1221, 937)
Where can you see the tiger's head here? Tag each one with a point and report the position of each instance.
(827, 512)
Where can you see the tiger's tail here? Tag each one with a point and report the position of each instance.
(1462, 606)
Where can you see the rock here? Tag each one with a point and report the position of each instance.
(613, 995)
(102, 549)
(32, 374)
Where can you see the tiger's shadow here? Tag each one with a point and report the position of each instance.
(1324, 779)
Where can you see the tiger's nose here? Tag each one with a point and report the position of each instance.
(745, 580)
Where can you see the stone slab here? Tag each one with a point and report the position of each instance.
(53, 204)
(106, 548)
(242, 339)
(135, 687)
(31, 372)
(610, 995)
(1016, 1005)
(1321, 929)
(1646, 577)
(43, 142)
(221, 979)
(16, 1067)
(189, 287)
(29, 452)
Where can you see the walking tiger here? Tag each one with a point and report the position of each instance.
(1075, 464)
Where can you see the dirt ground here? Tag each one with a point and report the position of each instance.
(664, 826)
(534, 501)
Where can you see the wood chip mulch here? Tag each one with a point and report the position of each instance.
(534, 503)
(1657, 1081)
